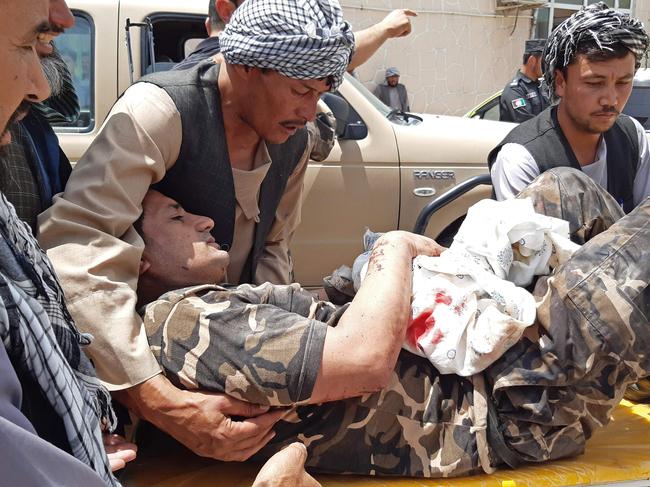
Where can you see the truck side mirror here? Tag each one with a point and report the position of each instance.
(340, 109)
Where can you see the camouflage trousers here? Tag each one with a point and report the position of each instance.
(544, 398)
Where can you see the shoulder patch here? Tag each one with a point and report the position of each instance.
(518, 103)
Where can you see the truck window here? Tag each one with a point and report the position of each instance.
(638, 105)
(491, 110)
(77, 46)
(175, 36)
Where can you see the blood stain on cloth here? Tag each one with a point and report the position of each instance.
(419, 325)
(443, 298)
(425, 322)
(437, 337)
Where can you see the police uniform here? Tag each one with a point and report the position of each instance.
(523, 98)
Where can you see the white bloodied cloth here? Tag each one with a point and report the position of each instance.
(467, 307)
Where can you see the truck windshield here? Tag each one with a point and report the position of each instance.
(368, 95)
(394, 116)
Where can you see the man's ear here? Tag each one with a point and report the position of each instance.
(536, 61)
(145, 265)
(225, 9)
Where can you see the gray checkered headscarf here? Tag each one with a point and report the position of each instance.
(301, 39)
(596, 23)
(43, 343)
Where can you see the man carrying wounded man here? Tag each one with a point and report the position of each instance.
(359, 404)
(364, 407)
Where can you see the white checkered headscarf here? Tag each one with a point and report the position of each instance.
(301, 39)
(596, 23)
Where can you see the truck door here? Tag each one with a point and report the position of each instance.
(90, 50)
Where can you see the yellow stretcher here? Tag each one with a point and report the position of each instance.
(617, 455)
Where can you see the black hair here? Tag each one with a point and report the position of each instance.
(216, 22)
(594, 53)
(138, 225)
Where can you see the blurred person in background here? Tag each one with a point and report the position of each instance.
(523, 97)
(392, 93)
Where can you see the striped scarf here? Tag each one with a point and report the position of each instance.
(43, 343)
(596, 23)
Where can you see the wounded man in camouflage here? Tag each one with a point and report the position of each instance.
(362, 406)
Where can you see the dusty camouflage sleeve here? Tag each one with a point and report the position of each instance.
(260, 344)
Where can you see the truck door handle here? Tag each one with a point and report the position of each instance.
(424, 192)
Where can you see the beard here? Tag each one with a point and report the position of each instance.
(56, 71)
(587, 124)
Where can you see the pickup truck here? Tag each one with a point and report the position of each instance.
(384, 168)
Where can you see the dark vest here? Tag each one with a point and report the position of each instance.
(544, 139)
(201, 178)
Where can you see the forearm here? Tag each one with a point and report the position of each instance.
(360, 352)
(380, 310)
(396, 24)
(367, 42)
(202, 421)
(151, 400)
(119, 349)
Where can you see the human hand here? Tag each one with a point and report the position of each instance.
(397, 23)
(202, 421)
(286, 469)
(118, 450)
(414, 243)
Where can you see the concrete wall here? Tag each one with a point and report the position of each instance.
(459, 53)
(642, 11)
